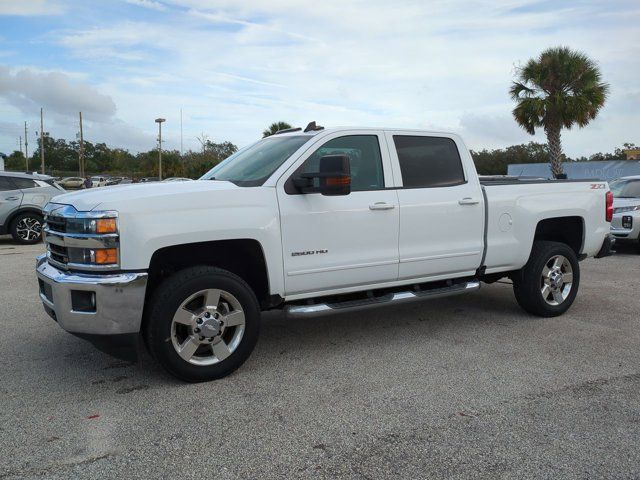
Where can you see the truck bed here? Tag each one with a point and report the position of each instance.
(515, 206)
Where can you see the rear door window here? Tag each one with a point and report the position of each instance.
(6, 184)
(24, 183)
(427, 162)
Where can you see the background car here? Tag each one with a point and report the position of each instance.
(98, 181)
(625, 225)
(22, 197)
(149, 179)
(71, 182)
(113, 180)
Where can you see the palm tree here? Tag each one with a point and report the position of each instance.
(274, 127)
(560, 88)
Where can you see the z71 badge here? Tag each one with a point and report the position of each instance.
(597, 186)
(308, 252)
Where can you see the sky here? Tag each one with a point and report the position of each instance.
(234, 67)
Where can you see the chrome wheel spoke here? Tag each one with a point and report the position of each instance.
(545, 272)
(233, 319)
(567, 278)
(221, 350)
(545, 291)
(557, 296)
(557, 262)
(184, 317)
(188, 347)
(212, 298)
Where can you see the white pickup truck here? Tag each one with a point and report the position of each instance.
(310, 222)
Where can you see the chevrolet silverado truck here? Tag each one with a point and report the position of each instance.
(310, 222)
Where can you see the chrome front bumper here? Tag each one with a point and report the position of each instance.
(118, 299)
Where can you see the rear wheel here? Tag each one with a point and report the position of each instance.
(202, 323)
(26, 228)
(548, 284)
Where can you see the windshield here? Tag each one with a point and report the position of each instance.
(253, 165)
(625, 188)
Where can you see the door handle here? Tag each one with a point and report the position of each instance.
(468, 201)
(12, 198)
(381, 206)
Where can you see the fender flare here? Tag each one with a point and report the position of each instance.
(17, 212)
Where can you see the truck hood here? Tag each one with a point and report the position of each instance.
(91, 199)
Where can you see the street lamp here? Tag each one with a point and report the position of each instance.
(159, 122)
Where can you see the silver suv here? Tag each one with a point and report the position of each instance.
(625, 225)
(22, 197)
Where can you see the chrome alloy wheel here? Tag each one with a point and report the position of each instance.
(29, 228)
(207, 327)
(557, 280)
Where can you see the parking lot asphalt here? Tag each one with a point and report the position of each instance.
(464, 387)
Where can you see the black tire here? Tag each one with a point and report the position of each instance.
(528, 282)
(169, 296)
(19, 234)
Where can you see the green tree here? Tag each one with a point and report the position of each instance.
(274, 127)
(15, 161)
(496, 162)
(560, 88)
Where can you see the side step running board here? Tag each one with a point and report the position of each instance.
(317, 309)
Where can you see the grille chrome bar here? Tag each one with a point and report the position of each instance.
(81, 240)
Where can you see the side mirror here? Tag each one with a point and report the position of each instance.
(334, 177)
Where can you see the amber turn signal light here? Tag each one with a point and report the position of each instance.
(340, 181)
(106, 256)
(106, 225)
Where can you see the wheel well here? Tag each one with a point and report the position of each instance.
(244, 257)
(18, 212)
(568, 230)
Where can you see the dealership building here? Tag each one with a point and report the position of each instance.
(602, 170)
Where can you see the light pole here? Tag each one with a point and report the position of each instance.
(159, 122)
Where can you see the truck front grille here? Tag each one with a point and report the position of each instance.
(58, 253)
(56, 224)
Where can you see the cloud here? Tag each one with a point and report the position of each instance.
(55, 92)
(30, 7)
(235, 67)
(493, 130)
(150, 4)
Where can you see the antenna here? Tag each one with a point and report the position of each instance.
(312, 127)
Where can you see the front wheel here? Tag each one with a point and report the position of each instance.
(548, 284)
(202, 323)
(26, 228)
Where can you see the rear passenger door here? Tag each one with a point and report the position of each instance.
(34, 191)
(441, 206)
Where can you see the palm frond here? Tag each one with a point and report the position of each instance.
(559, 87)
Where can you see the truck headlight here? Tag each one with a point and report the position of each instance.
(82, 240)
(92, 225)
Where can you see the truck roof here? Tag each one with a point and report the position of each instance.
(294, 132)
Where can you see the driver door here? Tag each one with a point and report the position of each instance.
(342, 241)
